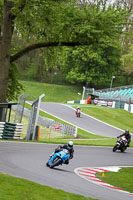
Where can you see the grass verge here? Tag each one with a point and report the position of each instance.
(53, 92)
(86, 142)
(122, 179)
(20, 189)
(108, 115)
(116, 117)
(81, 133)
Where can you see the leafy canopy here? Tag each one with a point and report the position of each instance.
(101, 58)
(95, 27)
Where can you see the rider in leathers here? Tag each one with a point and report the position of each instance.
(69, 147)
(127, 136)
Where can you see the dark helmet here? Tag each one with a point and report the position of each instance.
(127, 132)
(70, 144)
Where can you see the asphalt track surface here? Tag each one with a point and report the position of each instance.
(28, 161)
(85, 122)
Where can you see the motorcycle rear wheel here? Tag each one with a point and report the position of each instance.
(123, 149)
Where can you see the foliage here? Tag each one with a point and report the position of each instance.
(42, 20)
(95, 26)
(128, 60)
(101, 58)
(14, 86)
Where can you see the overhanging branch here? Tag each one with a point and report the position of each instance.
(42, 45)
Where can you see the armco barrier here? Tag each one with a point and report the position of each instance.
(10, 130)
(126, 106)
(119, 105)
(131, 108)
(115, 104)
(64, 128)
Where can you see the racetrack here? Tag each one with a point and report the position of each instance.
(86, 122)
(27, 160)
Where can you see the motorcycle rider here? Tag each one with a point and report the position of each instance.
(69, 147)
(78, 109)
(127, 136)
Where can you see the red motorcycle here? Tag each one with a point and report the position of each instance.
(78, 113)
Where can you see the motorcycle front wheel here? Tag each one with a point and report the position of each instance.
(56, 162)
(115, 148)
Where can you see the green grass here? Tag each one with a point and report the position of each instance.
(12, 188)
(53, 93)
(58, 93)
(122, 179)
(81, 133)
(111, 116)
(105, 114)
(116, 117)
(85, 135)
(87, 142)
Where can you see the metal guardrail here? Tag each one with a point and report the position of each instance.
(122, 100)
(33, 119)
(115, 95)
(20, 108)
(49, 123)
(115, 88)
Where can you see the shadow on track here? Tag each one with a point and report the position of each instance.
(61, 170)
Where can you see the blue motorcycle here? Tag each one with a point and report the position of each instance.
(58, 158)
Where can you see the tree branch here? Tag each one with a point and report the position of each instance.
(42, 45)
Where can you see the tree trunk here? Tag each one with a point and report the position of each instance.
(5, 44)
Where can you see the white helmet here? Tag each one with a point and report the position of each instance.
(70, 144)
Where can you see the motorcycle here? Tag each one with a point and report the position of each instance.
(121, 144)
(78, 113)
(58, 158)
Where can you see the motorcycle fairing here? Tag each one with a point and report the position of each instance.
(62, 154)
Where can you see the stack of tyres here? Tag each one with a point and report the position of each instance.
(12, 130)
(2, 125)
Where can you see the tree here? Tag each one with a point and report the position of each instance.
(128, 66)
(127, 39)
(33, 20)
(45, 23)
(96, 63)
